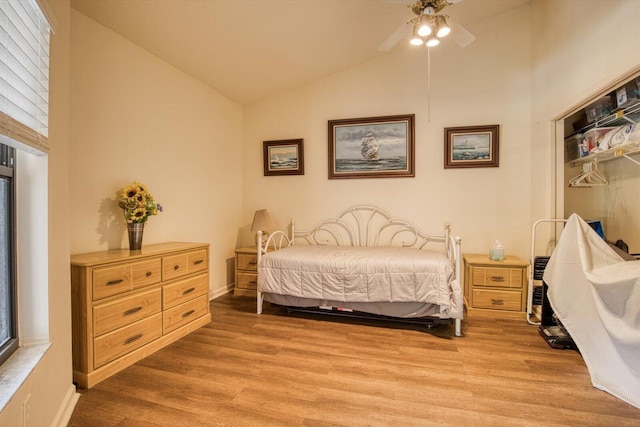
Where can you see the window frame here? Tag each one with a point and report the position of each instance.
(7, 156)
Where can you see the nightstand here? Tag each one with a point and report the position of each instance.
(495, 285)
(246, 271)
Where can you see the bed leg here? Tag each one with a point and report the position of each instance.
(259, 300)
(458, 327)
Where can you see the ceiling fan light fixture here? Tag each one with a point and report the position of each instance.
(416, 40)
(424, 25)
(442, 28)
(432, 41)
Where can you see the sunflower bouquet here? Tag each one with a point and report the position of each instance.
(137, 203)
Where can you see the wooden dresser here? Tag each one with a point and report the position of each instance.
(128, 304)
(246, 271)
(496, 285)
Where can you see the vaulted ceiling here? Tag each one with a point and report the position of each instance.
(248, 50)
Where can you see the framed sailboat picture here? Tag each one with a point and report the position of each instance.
(372, 147)
(471, 147)
(285, 157)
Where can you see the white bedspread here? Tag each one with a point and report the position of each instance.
(596, 296)
(362, 274)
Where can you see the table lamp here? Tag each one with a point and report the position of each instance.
(262, 222)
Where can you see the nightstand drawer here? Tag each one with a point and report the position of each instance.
(110, 346)
(498, 277)
(497, 300)
(248, 262)
(184, 313)
(247, 281)
(113, 315)
(182, 291)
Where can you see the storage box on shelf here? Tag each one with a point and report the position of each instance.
(628, 94)
(599, 109)
(573, 147)
(128, 304)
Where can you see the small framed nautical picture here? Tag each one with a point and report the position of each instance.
(372, 147)
(471, 147)
(285, 157)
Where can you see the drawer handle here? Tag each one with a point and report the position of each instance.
(114, 282)
(149, 273)
(497, 302)
(133, 339)
(188, 291)
(188, 313)
(253, 262)
(253, 282)
(132, 310)
(176, 267)
(497, 278)
(198, 261)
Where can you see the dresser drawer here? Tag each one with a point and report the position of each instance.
(111, 281)
(174, 266)
(147, 272)
(113, 315)
(184, 313)
(182, 291)
(114, 344)
(497, 300)
(498, 277)
(197, 261)
(248, 262)
(183, 264)
(247, 281)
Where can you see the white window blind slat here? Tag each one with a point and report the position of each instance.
(24, 73)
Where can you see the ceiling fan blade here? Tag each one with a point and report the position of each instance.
(395, 37)
(460, 34)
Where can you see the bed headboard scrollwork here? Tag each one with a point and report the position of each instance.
(368, 225)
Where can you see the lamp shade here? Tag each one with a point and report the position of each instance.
(442, 28)
(262, 221)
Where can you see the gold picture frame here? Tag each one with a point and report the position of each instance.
(372, 147)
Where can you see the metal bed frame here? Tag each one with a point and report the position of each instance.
(365, 226)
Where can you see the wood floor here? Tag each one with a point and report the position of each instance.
(273, 369)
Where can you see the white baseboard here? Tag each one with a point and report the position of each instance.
(213, 294)
(66, 409)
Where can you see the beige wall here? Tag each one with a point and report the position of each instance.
(579, 49)
(137, 118)
(485, 83)
(126, 102)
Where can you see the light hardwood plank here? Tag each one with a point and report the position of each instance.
(245, 369)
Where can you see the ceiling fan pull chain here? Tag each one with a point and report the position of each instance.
(428, 84)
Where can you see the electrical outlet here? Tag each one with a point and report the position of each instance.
(26, 411)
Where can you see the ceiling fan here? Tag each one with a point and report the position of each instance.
(429, 26)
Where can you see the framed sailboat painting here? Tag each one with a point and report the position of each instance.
(471, 147)
(284, 157)
(372, 147)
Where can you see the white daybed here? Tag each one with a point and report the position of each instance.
(364, 261)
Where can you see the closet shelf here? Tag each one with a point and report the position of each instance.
(620, 117)
(623, 150)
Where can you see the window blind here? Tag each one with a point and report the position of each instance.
(24, 74)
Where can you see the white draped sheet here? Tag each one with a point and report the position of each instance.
(596, 296)
(362, 274)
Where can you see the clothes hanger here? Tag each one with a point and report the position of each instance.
(591, 176)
